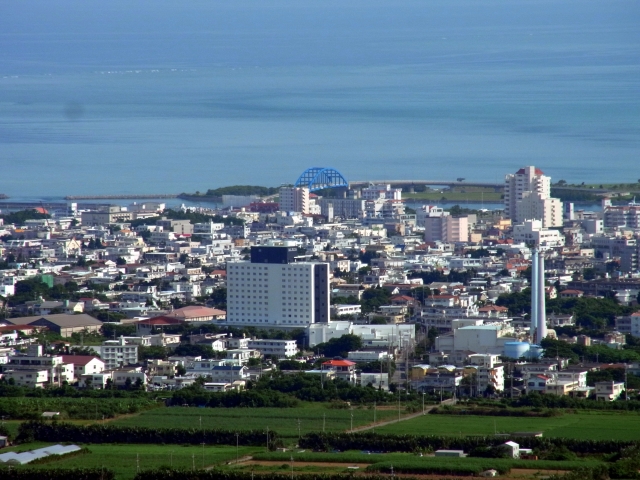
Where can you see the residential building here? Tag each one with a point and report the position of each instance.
(338, 310)
(294, 199)
(345, 369)
(274, 289)
(176, 226)
(439, 381)
(117, 353)
(629, 324)
(366, 356)
(622, 216)
(229, 373)
(34, 369)
(527, 196)
(278, 348)
(532, 231)
(490, 378)
(241, 356)
(609, 391)
(381, 191)
(84, 364)
(342, 207)
(129, 376)
(441, 226)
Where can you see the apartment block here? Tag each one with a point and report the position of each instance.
(527, 196)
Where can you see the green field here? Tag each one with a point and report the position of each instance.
(595, 426)
(413, 462)
(124, 460)
(284, 421)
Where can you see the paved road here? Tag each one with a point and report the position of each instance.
(371, 426)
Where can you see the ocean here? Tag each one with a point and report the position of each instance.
(141, 96)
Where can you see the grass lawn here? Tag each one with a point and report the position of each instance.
(456, 195)
(595, 426)
(282, 420)
(125, 459)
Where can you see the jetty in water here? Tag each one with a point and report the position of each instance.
(122, 197)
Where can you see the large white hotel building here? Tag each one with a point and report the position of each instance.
(274, 290)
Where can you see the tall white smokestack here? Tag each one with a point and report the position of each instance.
(542, 303)
(534, 295)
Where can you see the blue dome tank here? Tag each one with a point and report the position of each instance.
(516, 349)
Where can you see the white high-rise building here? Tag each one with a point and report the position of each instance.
(294, 199)
(527, 196)
(274, 290)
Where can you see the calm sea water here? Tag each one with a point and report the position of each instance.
(163, 96)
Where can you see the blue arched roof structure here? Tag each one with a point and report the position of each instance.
(318, 178)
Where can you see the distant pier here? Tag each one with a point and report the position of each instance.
(121, 197)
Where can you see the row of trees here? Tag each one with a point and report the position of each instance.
(415, 443)
(9, 473)
(595, 353)
(108, 433)
(193, 217)
(589, 312)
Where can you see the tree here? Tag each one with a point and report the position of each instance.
(373, 298)
(154, 352)
(120, 261)
(219, 297)
(195, 351)
(340, 347)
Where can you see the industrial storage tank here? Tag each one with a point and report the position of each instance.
(516, 349)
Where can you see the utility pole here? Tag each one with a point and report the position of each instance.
(374, 416)
(351, 421)
(511, 368)
(237, 447)
(324, 421)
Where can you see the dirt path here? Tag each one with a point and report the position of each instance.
(271, 463)
(402, 418)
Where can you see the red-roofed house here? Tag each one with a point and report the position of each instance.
(404, 300)
(345, 369)
(84, 364)
(145, 327)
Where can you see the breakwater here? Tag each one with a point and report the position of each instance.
(150, 196)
